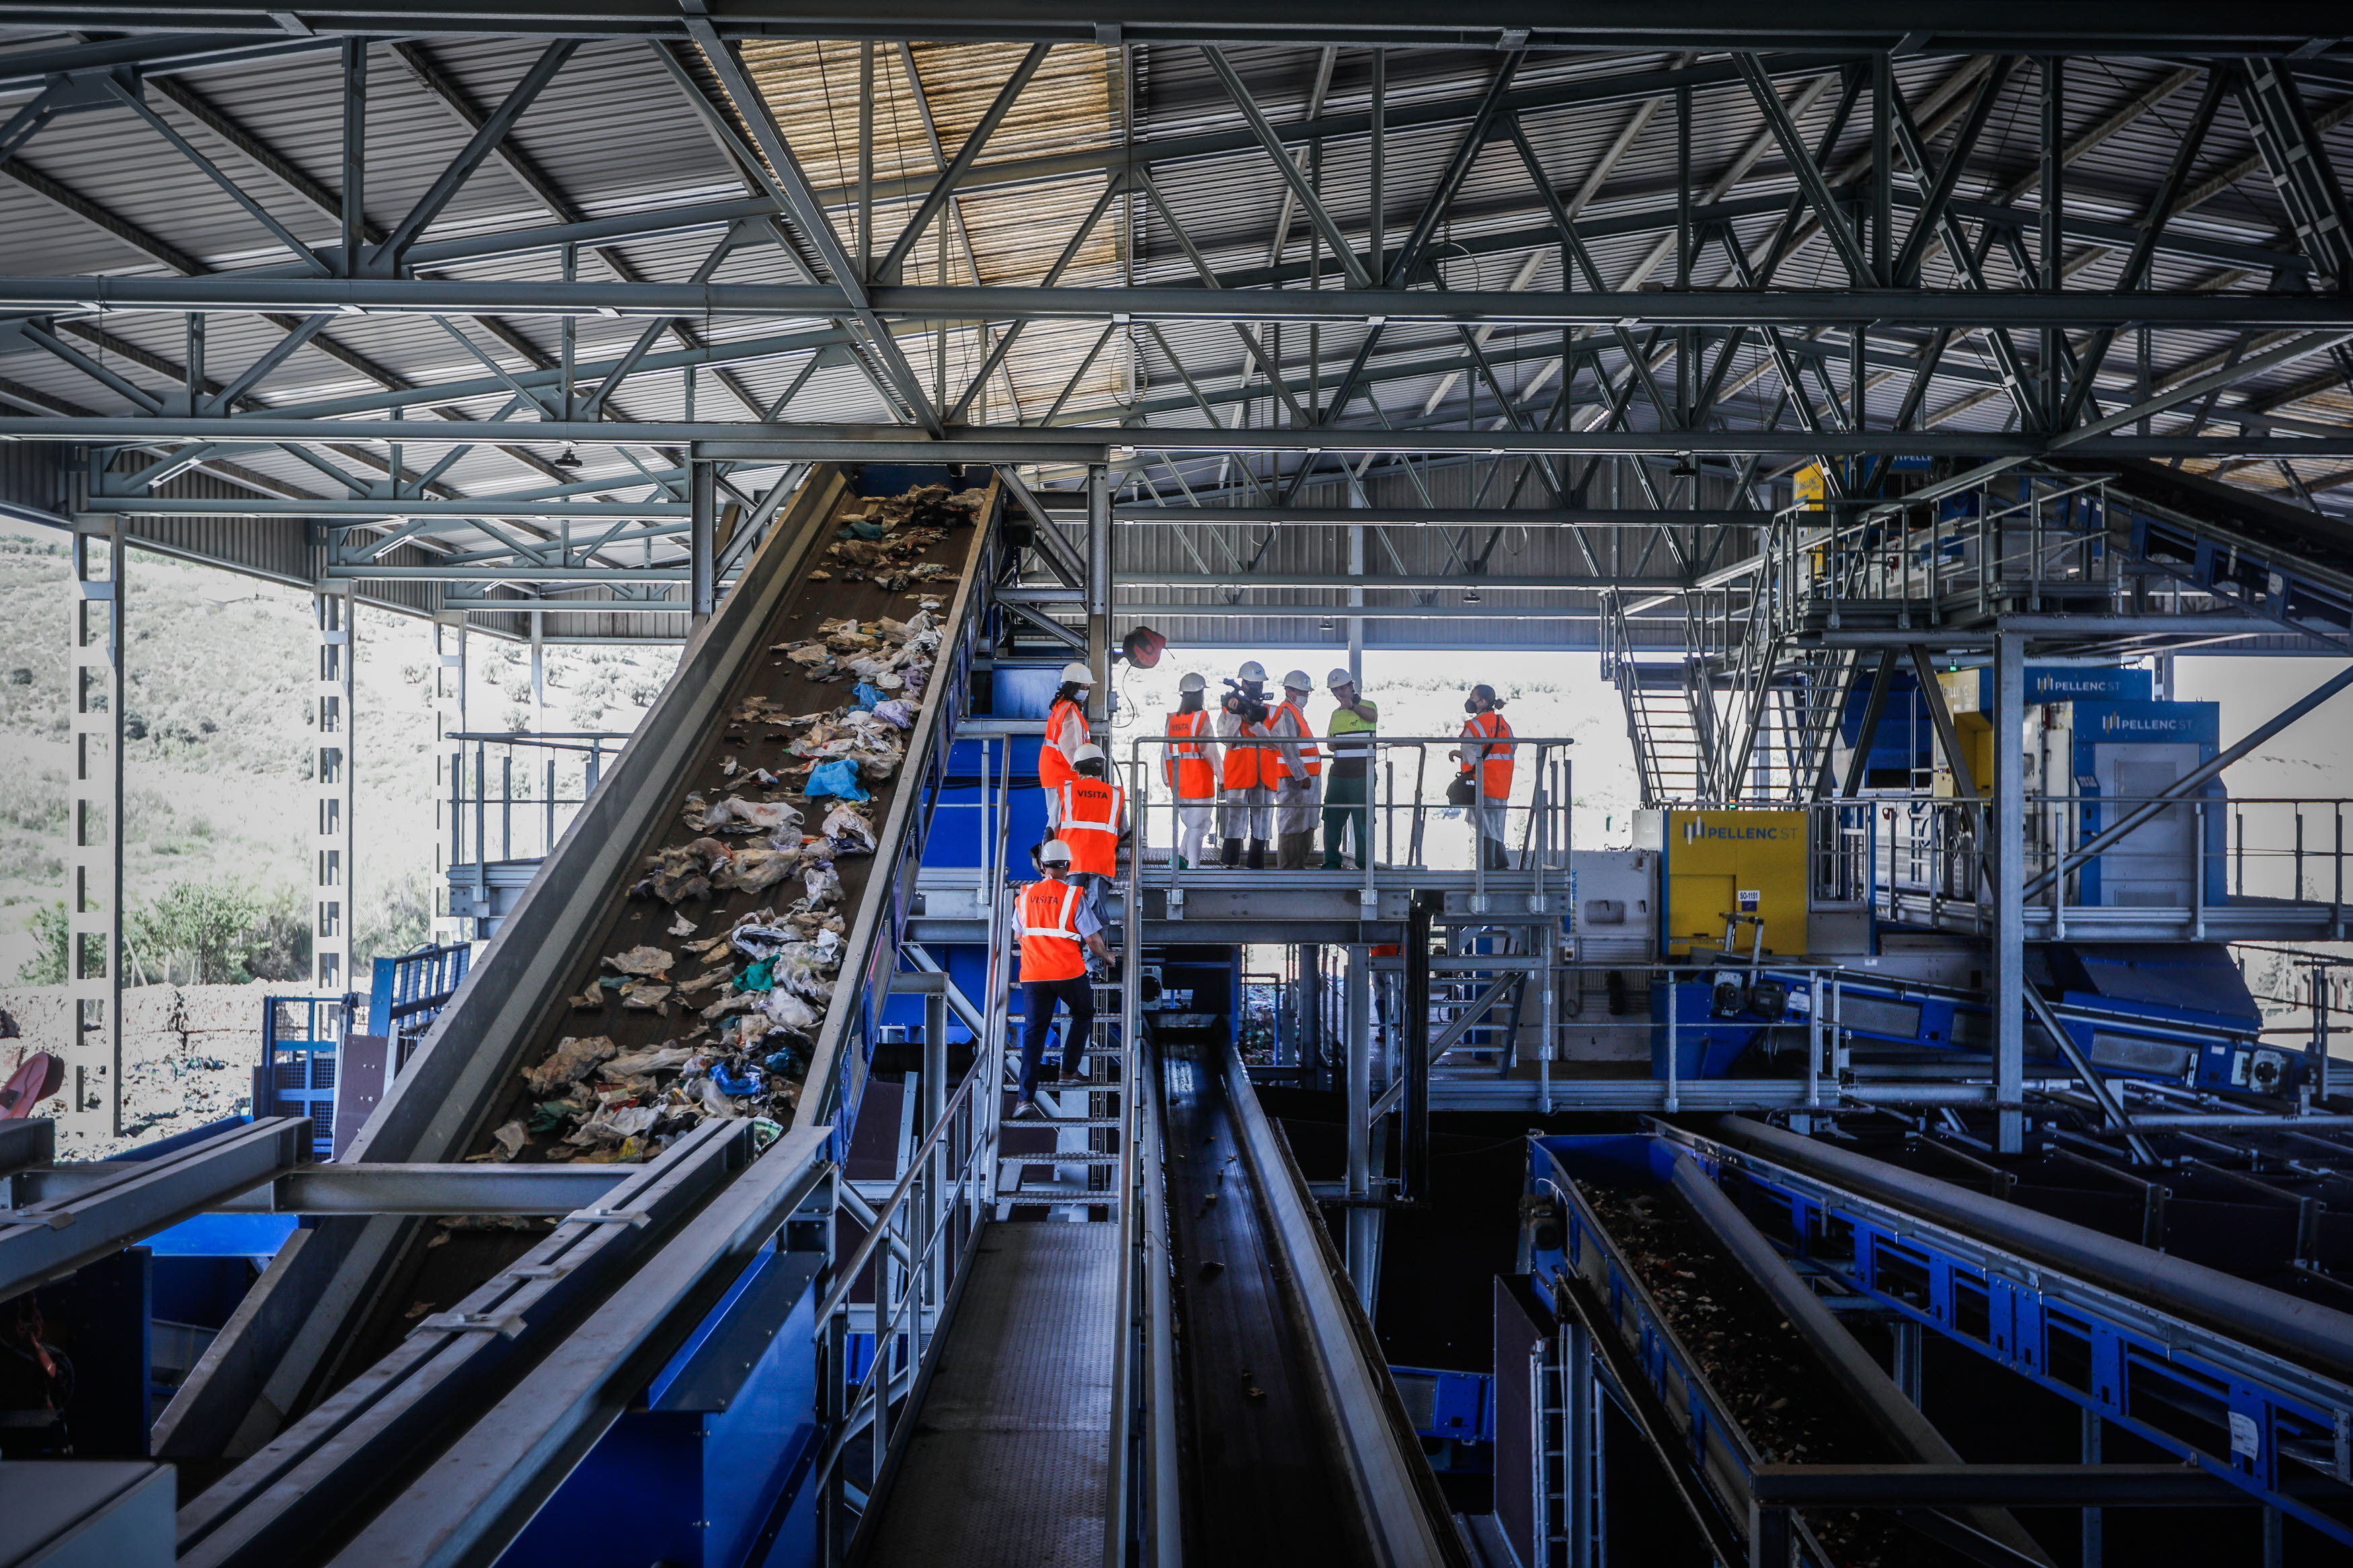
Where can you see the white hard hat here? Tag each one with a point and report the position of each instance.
(1054, 853)
(1338, 679)
(1089, 752)
(1191, 683)
(1253, 670)
(1079, 673)
(1297, 681)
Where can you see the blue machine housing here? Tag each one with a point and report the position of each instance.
(1711, 1040)
(2098, 724)
(2177, 1013)
(710, 1473)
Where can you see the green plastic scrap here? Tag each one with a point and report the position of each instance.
(860, 530)
(760, 976)
(550, 1114)
(765, 1132)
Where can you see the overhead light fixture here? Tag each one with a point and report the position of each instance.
(1686, 466)
(1471, 595)
(567, 458)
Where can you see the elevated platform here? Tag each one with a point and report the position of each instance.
(1215, 905)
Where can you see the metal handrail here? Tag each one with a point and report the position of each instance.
(1142, 1506)
(1545, 817)
(1405, 1519)
(941, 1192)
(878, 1228)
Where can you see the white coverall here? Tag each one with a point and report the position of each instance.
(1300, 794)
(1242, 812)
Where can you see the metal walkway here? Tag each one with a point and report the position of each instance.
(1011, 1446)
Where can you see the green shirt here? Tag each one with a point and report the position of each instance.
(1352, 759)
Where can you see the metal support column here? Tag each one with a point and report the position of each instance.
(1906, 1335)
(1357, 598)
(1413, 1162)
(2009, 865)
(448, 695)
(94, 854)
(702, 508)
(1364, 1231)
(1098, 588)
(1580, 1522)
(332, 907)
(931, 1100)
(2094, 1425)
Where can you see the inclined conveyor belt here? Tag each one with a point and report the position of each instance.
(372, 1343)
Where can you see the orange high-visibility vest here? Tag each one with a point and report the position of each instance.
(1186, 767)
(1050, 949)
(1053, 762)
(1246, 765)
(1279, 766)
(1091, 809)
(1495, 762)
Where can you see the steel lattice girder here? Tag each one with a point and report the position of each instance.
(2163, 28)
(1957, 310)
(748, 442)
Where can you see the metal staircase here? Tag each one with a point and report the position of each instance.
(1475, 1011)
(1072, 1158)
(1669, 711)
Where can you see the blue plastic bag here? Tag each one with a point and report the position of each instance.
(868, 695)
(730, 1084)
(839, 778)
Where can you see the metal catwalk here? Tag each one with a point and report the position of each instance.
(1010, 1450)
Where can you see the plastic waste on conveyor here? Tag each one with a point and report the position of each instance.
(687, 956)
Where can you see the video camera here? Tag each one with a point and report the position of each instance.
(1239, 702)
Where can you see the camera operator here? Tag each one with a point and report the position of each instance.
(1246, 795)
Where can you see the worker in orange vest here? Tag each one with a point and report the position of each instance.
(1066, 732)
(1189, 768)
(1245, 794)
(1298, 768)
(1056, 930)
(1094, 818)
(1489, 759)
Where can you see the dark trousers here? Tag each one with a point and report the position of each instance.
(1037, 999)
(1344, 811)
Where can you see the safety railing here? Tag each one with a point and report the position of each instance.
(2017, 539)
(408, 993)
(1407, 819)
(1923, 853)
(917, 1243)
(512, 795)
(1142, 1522)
(302, 1049)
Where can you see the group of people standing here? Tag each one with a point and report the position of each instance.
(1254, 774)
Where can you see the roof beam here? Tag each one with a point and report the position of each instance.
(960, 305)
(2159, 28)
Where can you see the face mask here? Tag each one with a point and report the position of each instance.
(1470, 705)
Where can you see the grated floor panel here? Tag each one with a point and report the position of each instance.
(1008, 1463)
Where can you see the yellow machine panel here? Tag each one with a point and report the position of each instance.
(1719, 864)
(1808, 486)
(1972, 726)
